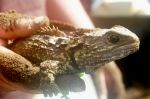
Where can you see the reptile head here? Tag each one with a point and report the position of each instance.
(105, 45)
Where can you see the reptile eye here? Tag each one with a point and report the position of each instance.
(113, 38)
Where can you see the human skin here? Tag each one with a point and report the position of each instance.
(76, 15)
(71, 12)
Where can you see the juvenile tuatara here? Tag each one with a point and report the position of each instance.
(33, 62)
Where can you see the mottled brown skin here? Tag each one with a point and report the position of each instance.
(60, 49)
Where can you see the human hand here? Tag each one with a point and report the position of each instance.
(14, 27)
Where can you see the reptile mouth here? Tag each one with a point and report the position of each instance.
(119, 52)
(115, 53)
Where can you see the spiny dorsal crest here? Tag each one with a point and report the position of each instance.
(51, 31)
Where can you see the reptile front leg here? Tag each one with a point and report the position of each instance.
(48, 71)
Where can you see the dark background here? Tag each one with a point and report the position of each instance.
(135, 67)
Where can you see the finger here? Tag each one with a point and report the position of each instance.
(25, 27)
(15, 71)
(15, 25)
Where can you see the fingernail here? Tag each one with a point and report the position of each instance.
(41, 20)
(23, 22)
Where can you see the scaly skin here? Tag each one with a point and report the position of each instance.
(34, 62)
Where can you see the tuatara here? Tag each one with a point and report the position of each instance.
(57, 49)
